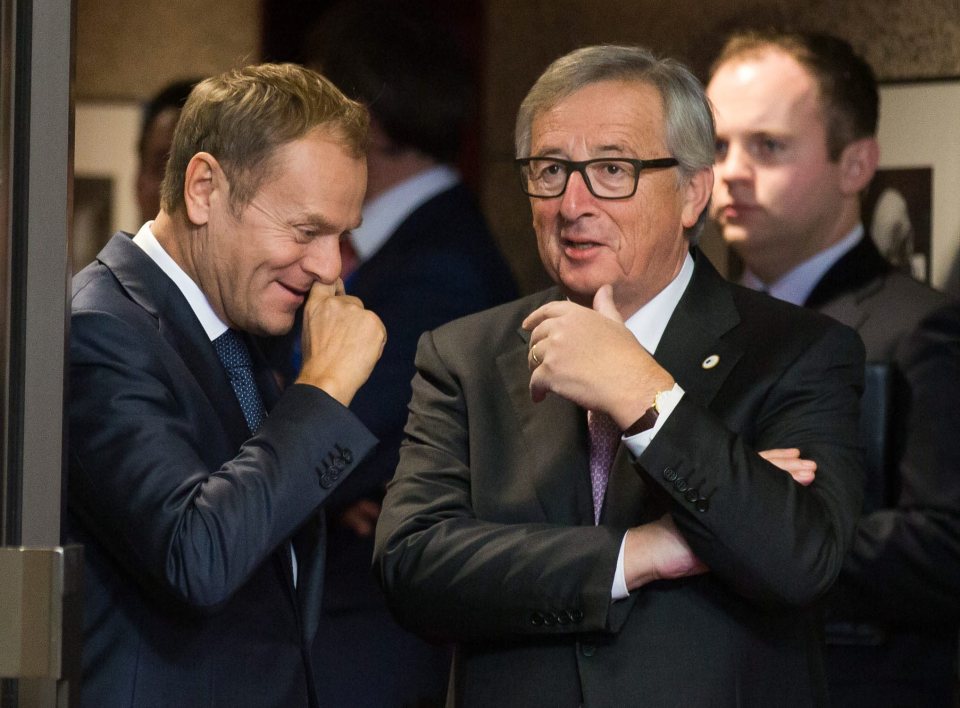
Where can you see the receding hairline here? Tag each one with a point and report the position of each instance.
(631, 82)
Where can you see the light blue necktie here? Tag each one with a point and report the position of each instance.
(235, 358)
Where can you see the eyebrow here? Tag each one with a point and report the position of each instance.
(556, 152)
(321, 223)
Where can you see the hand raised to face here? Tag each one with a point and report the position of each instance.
(588, 356)
(341, 341)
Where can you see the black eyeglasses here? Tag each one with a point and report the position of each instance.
(605, 177)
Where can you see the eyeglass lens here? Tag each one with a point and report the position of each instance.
(604, 178)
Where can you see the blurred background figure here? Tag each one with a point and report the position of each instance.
(423, 256)
(796, 145)
(160, 117)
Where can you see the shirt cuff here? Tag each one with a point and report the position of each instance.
(619, 590)
(668, 401)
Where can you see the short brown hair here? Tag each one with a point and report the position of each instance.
(848, 88)
(242, 116)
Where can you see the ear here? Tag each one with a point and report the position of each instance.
(201, 179)
(696, 194)
(858, 163)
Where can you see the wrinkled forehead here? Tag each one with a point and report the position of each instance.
(624, 116)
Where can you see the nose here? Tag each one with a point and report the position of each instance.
(735, 165)
(321, 259)
(576, 199)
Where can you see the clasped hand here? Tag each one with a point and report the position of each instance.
(588, 356)
(341, 342)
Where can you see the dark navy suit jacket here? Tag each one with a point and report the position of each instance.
(186, 519)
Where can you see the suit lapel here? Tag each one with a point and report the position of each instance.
(693, 350)
(554, 438)
(854, 276)
(149, 287)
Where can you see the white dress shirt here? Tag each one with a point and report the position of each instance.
(796, 285)
(648, 324)
(198, 302)
(383, 214)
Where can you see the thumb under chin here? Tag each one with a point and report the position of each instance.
(604, 304)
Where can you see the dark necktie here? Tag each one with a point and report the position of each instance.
(604, 440)
(235, 357)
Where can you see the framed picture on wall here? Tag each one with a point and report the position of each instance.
(897, 209)
(914, 205)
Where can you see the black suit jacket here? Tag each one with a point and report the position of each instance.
(186, 522)
(901, 582)
(487, 532)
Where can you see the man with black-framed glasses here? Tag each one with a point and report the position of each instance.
(580, 504)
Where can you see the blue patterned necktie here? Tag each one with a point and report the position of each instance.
(235, 358)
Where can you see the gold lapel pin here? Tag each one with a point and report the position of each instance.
(711, 361)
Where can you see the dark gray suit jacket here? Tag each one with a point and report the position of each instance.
(186, 521)
(487, 532)
(900, 585)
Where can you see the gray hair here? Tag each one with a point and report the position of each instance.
(689, 119)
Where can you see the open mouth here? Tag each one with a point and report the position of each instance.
(580, 245)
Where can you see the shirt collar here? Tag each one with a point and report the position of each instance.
(796, 285)
(198, 302)
(648, 323)
(385, 212)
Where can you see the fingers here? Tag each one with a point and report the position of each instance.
(538, 388)
(319, 290)
(543, 313)
(788, 459)
(604, 304)
(780, 453)
(533, 357)
(341, 342)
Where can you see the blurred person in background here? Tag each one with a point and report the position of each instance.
(160, 117)
(796, 145)
(424, 255)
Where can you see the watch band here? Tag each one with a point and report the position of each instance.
(649, 417)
